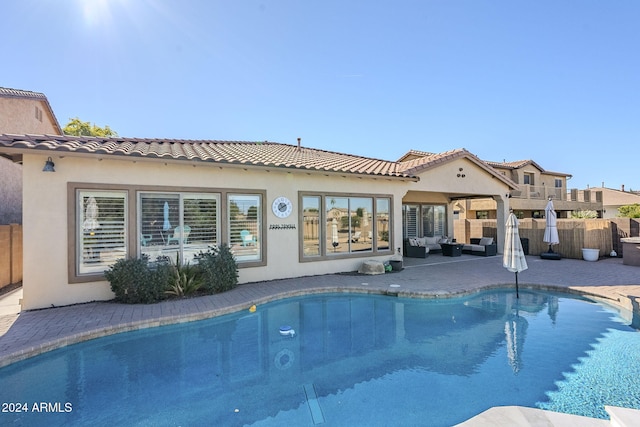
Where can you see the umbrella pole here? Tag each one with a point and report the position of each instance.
(517, 293)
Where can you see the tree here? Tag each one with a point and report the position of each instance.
(79, 128)
(629, 211)
(584, 214)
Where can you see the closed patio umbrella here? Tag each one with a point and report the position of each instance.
(166, 225)
(515, 329)
(550, 230)
(513, 258)
(91, 215)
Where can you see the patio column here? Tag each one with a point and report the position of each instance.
(502, 211)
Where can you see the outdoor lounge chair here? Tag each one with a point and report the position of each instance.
(247, 238)
(356, 236)
(179, 233)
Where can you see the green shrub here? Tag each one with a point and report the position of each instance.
(134, 282)
(219, 269)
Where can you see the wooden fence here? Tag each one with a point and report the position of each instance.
(603, 234)
(10, 254)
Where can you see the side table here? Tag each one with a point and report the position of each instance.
(451, 249)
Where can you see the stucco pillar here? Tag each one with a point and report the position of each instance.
(502, 211)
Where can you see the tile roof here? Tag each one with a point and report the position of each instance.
(265, 154)
(518, 164)
(17, 93)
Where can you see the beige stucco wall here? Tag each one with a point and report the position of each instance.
(45, 217)
(18, 116)
(444, 179)
(439, 185)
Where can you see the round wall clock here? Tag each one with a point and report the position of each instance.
(281, 207)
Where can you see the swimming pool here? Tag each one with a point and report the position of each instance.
(352, 359)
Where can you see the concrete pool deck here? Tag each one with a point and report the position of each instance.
(29, 333)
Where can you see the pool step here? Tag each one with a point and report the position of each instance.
(314, 406)
(623, 417)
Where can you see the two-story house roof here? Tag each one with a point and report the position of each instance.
(612, 199)
(21, 112)
(534, 187)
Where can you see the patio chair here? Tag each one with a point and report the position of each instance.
(179, 233)
(145, 239)
(356, 236)
(247, 238)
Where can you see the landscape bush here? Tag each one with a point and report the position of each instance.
(219, 269)
(134, 282)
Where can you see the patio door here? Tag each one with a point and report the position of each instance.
(420, 220)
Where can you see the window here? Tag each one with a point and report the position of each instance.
(339, 225)
(528, 178)
(410, 220)
(245, 226)
(424, 220)
(101, 231)
(311, 226)
(177, 223)
(163, 224)
(383, 223)
(558, 183)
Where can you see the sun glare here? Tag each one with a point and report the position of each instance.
(95, 12)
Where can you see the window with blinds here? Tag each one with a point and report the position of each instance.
(410, 220)
(424, 220)
(177, 224)
(245, 226)
(102, 229)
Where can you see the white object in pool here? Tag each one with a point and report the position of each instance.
(287, 331)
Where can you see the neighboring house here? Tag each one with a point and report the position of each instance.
(21, 112)
(285, 210)
(535, 186)
(611, 199)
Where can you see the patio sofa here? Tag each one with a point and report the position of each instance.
(420, 247)
(484, 246)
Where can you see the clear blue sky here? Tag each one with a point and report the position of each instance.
(554, 81)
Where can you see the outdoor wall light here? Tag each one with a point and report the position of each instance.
(48, 166)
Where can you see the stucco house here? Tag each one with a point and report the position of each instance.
(535, 186)
(21, 112)
(284, 209)
(611, 198)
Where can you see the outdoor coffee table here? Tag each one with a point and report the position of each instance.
(451, 249)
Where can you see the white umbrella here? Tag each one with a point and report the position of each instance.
(334, 233)
(515, 329)
(513, 258)
(551, 229)
(91, 215)
(166, 225)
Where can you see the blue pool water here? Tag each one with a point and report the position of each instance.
(354, 360)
